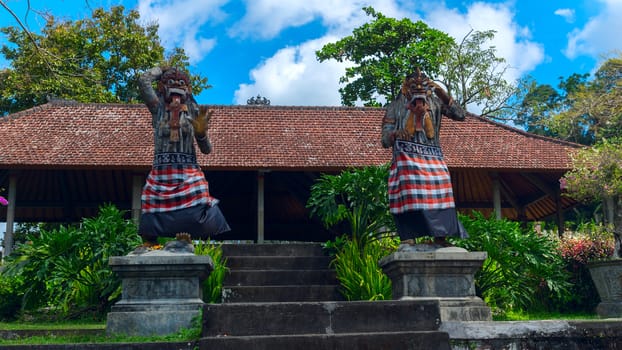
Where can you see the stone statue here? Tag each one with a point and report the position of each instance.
(420, 192)
(176, 197)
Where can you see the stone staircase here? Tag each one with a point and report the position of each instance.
(278, 273)
(285, 296)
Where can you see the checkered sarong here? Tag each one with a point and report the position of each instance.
(418, 178)
(175, 186)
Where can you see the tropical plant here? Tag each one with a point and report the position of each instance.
(67, 268)
(212, 286)
(356, 267)
(519, 264)
(357, 197)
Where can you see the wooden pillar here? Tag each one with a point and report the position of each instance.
(560, 214)
(496, 195)
(137, 185)
(260, 205)
(10, 215)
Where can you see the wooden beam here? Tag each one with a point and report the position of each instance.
(541, 185)
(260, 205)
(137, 185)
(496, 194)
(10, 215)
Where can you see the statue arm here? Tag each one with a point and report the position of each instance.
(148, 94)
(449, 107)
(388, 127)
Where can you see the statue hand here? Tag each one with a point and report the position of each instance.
(202, 120)
(440, 92)
(401, 134)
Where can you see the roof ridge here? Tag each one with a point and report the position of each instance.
(523, 132)
(16, 115)
(288, 107)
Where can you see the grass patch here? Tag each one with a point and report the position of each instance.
(539, 316)
(8, 326)
(69, 333)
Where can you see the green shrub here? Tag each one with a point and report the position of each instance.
(67, 268)
(521, 267)
(212, 286)
(356, 267)
(357, 197)
(10, 297)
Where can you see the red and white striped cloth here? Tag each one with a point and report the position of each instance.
(418, 179)
(175, 186)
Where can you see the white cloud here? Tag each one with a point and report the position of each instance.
(567, 14)
(511, 41)
(600, 35)
(293, 77)
(180, 23)
(265, 19)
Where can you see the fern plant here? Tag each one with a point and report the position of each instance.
(212, 286)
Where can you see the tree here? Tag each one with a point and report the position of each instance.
(473, 74)
(384, 51)
(581, 110)
(534, 107)
(597, 175)
(596, 107)
(89, 60)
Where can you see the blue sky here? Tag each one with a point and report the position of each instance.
(267, 47)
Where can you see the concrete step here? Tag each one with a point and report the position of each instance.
(280, 293)
(273, 249)
(278, 262)
(339, 317)
(278, 273)
(412, 340)
(279, 277)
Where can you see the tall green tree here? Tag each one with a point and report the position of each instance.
(474, 74)
(384, 51)
(595, 110)
(96, 59)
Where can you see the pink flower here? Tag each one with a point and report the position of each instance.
(563, 184)
(3, 201)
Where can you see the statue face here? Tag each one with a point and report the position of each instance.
(174, 83)
(415, 86)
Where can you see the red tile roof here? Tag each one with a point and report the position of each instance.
(76, 135)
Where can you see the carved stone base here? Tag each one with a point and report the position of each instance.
(161, 292)
(607, 277)
(446, 275)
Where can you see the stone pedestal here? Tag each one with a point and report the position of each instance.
(607, 277)
(446, 275)
(161, 292)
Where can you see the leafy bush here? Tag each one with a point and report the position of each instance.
(521, 265)
(212, 286)
(590, 242)
(357, 197)
(67, 268)
(10, 298)
(356, 266)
